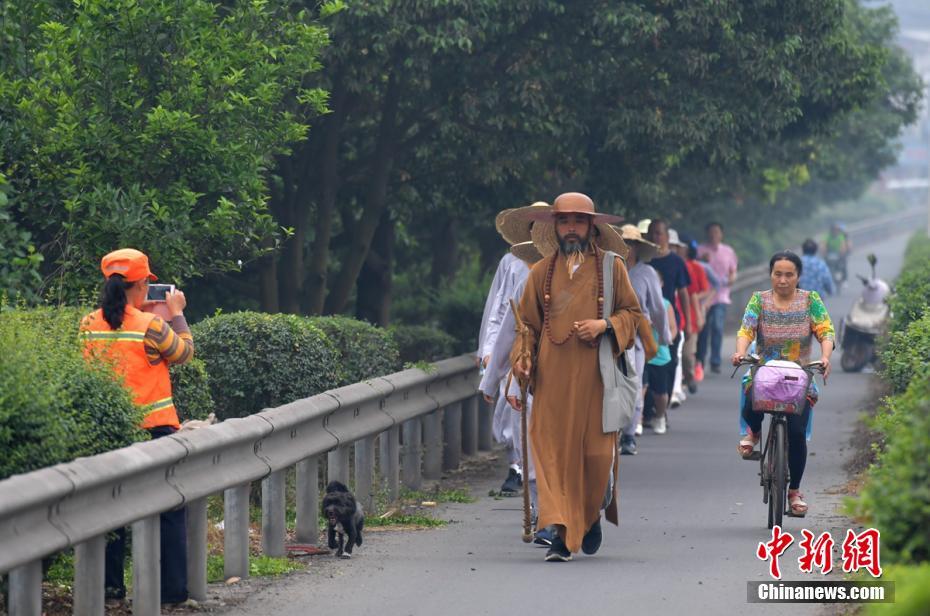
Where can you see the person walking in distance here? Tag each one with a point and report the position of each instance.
(722, 259)
(572, 436)
(675, 282)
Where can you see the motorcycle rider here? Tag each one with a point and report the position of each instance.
(837, 248)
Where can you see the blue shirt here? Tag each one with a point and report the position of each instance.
(815, 275)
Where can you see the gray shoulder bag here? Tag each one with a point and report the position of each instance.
(621, 383)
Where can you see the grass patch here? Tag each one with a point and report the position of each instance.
(456, 495)
(405, 520)
(259, 566)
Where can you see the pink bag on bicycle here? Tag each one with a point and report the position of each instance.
(779, 387)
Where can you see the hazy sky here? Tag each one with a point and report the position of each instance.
(913, 14)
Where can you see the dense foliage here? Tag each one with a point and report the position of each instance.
(54, 405)
(365, 351)
(418, 343)
(256, 361)
(150, 124)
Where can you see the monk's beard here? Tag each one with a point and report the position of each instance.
(574, 249)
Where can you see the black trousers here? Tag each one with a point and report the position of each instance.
(797, 438)
(173, 551)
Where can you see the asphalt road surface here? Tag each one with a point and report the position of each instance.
(691, 516)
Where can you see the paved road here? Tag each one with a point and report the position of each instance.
(691, 517)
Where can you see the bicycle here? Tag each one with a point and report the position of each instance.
(779, 394)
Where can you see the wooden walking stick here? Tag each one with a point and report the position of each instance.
(524, 381)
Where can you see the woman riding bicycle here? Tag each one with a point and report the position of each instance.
(781, 322)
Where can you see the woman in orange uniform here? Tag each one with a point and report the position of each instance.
(140, 346)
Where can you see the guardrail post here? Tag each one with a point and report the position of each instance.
(452, 436)
(432, 445)
(89, 558)
(273, 514)
(390, 461)
(485, 419)
(470, 426)
(26, 590)
(411, 454)
(197, 549)
(146, 566)
(337, 465)
(364, 471)
(236, 533)
(308, 500)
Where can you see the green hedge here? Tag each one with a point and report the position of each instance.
(258, 360)
(417, 343)
(906, 353)
(365, 351)
(911, 591)
(896, 495)
(912, 288)
(190, 388)
(54, 405)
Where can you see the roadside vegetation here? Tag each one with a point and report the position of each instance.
(895, 496)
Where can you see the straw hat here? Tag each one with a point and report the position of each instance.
(645, 250)
(514, 224)
(526, 252)
(607, 238)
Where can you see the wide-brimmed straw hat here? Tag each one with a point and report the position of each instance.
(572, 203)
(645, 250)
(606, 238)
(514, 224)
(526, 252)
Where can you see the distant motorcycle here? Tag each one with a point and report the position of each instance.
(837, 264)
(865, 321)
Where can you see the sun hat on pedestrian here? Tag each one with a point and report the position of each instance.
(643, 225)
(673, 239)
(606, 238)
(129, 263)
(645, 250)
(514, 224)
(526, 252)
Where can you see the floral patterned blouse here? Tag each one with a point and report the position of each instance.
(786, 334)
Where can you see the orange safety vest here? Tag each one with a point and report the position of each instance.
(125, 348)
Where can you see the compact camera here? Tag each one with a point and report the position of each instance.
(158, 292)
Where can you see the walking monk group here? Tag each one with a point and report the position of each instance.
(572, 433)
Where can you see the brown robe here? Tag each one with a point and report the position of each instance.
(572, 454)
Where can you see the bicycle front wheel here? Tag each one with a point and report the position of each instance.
(778, 491)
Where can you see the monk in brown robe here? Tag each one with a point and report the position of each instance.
(573, 456)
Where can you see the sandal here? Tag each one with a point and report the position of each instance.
(747, 444)
(796, 504)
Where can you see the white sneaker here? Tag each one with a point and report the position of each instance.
(658, 425)
(639, 430)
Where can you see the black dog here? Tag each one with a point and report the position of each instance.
(343, 517)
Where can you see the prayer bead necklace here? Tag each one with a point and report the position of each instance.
(547, 296)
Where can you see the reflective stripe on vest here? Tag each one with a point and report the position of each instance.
(125, 348)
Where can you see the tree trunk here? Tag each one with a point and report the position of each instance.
(364, 229)
(375, 281)
(445, 251)
(291, 258)
(316, 275)
(268, 283)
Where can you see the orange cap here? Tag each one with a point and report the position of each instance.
(128, 263)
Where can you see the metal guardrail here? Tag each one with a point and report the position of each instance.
(756, 277)
(424, 422)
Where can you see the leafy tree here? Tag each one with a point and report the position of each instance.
(151, 124)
